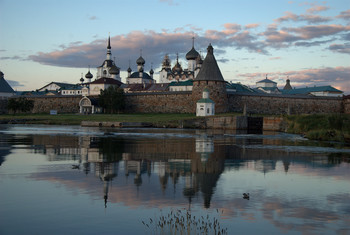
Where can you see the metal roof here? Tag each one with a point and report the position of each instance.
(308, 90)
(210, 70)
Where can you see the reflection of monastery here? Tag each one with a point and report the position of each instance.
(179, 89)
(192, 167)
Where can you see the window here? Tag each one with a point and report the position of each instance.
(208, 110)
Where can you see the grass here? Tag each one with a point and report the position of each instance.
(329, 127)
(183, 222)
(76, 119)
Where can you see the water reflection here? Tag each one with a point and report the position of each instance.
(295, 185)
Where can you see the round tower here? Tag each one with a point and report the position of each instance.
(210, 77)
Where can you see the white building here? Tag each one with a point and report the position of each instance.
(267, 86)
(205, 106)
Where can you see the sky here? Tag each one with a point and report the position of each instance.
(58, 40)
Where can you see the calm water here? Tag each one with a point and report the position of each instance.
(75, 180)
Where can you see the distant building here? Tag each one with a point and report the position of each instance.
(140, 77)
(312, 91)
(5, 89)
(267, 86)
(181, 86)
(315, 91)
(72, 90)
(55, 86)
(96, 86)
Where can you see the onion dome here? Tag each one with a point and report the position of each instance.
(88, 75)
(129, 70)
(177, 68)
(199, 59)
(192, 54)
(114, 70)
(82, 80)
(166, 61)
(140, 61)
(151, 71)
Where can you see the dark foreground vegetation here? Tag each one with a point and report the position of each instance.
(328, 127)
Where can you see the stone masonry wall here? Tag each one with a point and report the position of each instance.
(63, 104)
(175, 102)
(346, 103)
(273, 104)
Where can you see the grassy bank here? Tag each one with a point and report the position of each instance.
(330, 127)
(76, 119)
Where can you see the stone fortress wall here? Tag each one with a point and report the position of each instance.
(183, 102)
(282, 104)
(63, 104)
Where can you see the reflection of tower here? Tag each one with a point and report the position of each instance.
(207, 168)
(106, 172)
(135, 167)
(163, 175)
(265, 166)
(286, 164)
(190, 189)
(205, 147)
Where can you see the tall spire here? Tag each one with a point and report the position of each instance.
(109, 53)
(109, 42)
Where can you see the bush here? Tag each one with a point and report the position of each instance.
(20, 104)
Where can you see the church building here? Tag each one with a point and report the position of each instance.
(140, 77)
(177, 73)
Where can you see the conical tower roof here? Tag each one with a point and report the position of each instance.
(4, 86)
(210, 70)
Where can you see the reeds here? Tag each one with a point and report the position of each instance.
(183, 222)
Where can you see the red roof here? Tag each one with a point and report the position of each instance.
(106, 81)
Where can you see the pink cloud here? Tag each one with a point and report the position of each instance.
(251, 26)
(314, 9)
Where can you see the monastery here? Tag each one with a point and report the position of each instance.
(200, 88)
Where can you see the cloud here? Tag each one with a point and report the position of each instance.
(155, 45)
(170, 2)
(275, 58)
(279, 38)
(92, 18)
(251, 26)
(344, 15)
(341, 48)
(13, 58)
(316, 8)
(311, 19)
(14, 83)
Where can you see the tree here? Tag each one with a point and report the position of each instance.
(20, 104)
(112, 100)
